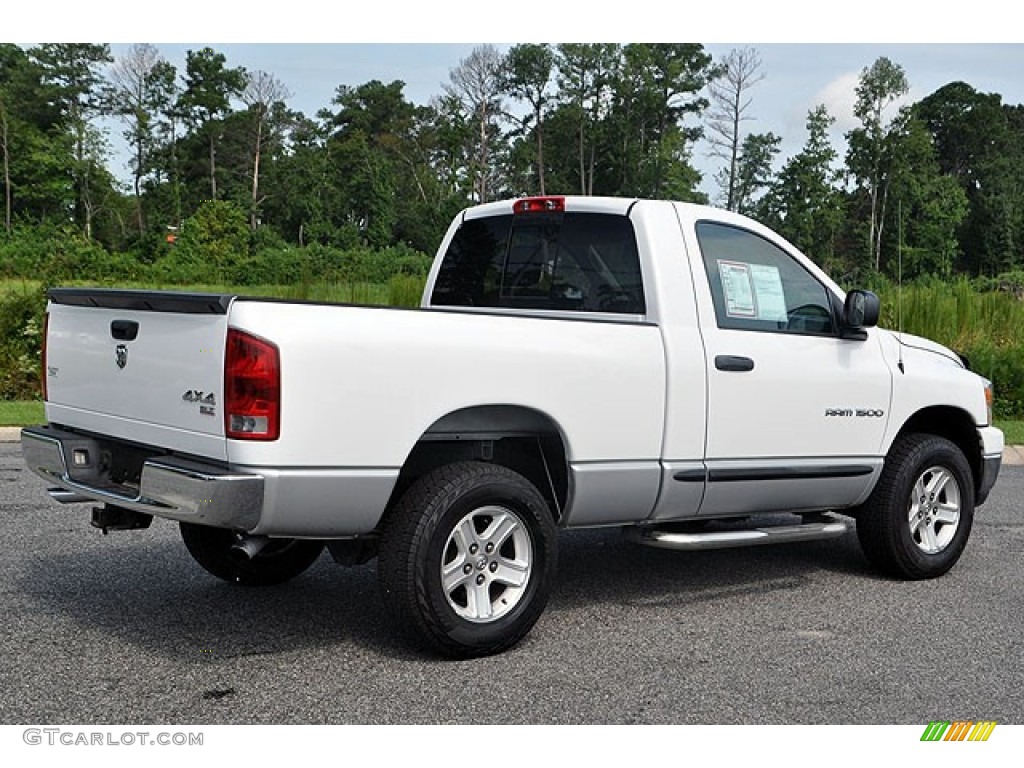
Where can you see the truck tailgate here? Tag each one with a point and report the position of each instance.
(144, 366)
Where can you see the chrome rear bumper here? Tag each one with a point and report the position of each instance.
(170, 487)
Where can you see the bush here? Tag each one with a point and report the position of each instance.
(277, 266)
(62, 254)
(212, 247)
(21, 341)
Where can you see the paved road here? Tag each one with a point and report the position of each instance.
(126, 629)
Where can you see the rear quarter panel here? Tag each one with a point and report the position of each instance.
(360, 385)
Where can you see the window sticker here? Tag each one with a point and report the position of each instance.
(768, 293)
(737, 289)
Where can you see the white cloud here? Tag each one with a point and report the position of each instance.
(839, 96)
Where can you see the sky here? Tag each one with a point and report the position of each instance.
(812, 53)
(807, 58)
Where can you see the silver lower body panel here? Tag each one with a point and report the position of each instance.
(170, 487)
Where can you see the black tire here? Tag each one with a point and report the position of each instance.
(490, 528)
(279, 561)
(917, 520)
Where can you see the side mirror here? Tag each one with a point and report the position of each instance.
(860, 311)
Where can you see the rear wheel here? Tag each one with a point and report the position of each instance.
(467, 558)
(917, 520)
(277, 562)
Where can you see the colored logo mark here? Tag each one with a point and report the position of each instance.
(958, 730)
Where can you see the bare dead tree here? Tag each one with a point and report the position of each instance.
(477, 86)
(262, 91)
(730, 101)
(132, 98)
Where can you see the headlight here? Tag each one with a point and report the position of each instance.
(989, 396)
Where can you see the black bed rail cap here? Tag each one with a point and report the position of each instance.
(152, 301)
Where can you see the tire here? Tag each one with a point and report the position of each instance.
(279, 561)
(467, 558)
(917, 520)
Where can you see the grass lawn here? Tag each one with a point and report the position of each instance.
(20, 413)
(1013, 431)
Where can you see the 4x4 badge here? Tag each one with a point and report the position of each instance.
(121, 355)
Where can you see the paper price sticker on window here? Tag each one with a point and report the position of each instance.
(768, 294)
(737, 289)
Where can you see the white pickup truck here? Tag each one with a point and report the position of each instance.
(673, 369)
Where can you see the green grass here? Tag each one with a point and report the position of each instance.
(1013, 431)
(21, 413)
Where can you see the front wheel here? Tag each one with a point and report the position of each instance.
(279, 561)
(917, 520)
(467, 558)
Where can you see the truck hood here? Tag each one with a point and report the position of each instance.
(910, 341)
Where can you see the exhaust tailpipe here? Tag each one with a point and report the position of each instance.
(246, 548)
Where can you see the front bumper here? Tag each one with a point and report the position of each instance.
(989, 472)
(170, 487)
(992, 445)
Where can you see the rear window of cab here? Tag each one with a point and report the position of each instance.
(547, 260)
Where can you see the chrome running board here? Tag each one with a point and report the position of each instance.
(823, 527)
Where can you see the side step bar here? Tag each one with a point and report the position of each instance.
(823, 527)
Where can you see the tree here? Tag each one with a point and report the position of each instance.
(665, 80)
(928, 204)
(302, 182)
(142, 87)
(5, 149)
(619, 125)
(979, 144)
(36, 159)
(804, 204)
(753, 170)
(879, 87)
(11, 58)
(263, 93)
(527, 74)
(730, 101)
(72, 78)
(476, 85)
(585, 74)
(372, 155)
(206, 100)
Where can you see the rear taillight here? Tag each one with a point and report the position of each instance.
(42, 358)
(252, 388)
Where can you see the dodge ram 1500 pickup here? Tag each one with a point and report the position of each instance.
(576, 362)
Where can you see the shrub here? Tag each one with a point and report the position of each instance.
(21, 339)
(59, 254)
(276, 266)
(212, 246)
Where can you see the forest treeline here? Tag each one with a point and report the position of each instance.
(937, 184)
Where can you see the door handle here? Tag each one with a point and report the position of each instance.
(733, 363)
(124, 330)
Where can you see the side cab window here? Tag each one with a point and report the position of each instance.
(757, 286)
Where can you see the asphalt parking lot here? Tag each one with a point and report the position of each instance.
(127, 629)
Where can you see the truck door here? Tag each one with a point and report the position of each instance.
(796, 413)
